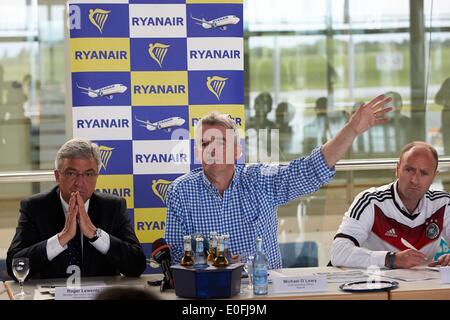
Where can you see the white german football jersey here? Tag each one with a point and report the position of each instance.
(377, 220)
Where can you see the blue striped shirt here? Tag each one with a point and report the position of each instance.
(248, 207)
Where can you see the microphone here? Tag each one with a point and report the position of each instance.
(161, 254)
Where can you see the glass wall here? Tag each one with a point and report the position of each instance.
(309, 64)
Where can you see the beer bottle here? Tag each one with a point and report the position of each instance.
(187, 259)
(212, 247)
(220, 260)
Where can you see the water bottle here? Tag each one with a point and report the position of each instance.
(260, 280)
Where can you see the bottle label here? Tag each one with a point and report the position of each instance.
(260, 276)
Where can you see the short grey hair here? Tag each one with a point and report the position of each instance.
(215, 118)
(78, 148)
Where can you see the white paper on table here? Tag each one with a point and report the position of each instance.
(414, 274)
(44, 295)
(344, 276)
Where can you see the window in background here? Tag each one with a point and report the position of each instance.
(32, 98)
(318, 60)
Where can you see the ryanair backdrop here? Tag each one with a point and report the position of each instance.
(142, 73)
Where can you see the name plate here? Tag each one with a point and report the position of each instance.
(300, 284)
(78, 293)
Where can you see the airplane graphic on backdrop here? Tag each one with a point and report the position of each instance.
(165, 124)
(221, 22)
(107, 92)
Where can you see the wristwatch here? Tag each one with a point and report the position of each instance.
(97, 234)
(391, 257)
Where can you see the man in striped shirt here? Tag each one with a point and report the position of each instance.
(398, 225)
(242, 200)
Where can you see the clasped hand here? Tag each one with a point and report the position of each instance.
(76, 214)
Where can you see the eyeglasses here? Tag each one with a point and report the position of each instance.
(72, 175)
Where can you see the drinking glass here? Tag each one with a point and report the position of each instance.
(21, 267)
(247, 259)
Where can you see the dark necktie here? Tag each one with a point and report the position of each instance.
(74, 255)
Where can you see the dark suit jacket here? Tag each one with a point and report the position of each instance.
(42, 216)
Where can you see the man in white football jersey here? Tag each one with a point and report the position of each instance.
(398, 225)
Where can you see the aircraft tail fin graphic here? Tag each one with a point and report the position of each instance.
(200, 21)
(89, 89)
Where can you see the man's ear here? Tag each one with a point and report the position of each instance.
(436, 173)
(57, 175)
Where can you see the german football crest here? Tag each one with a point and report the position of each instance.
(432, 231)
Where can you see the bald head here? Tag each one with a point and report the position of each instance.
(420, 148)
(416, 171)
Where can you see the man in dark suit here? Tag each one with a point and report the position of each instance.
(73, 225)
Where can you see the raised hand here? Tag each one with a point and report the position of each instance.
(370, 114)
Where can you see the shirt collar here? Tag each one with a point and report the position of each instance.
(233, 183)
(65, 205)
(397, 198)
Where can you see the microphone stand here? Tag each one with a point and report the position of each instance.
(165, 284)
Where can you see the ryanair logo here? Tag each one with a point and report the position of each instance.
(160, 187)
(215, 84)
(102, 123)
(160, 89)
(161, 157)
(157, 21)
(158, 51)
(98, 18)
(215, 54)
(100, 54)
(168, 156)
(156, 88)
(105, 155)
